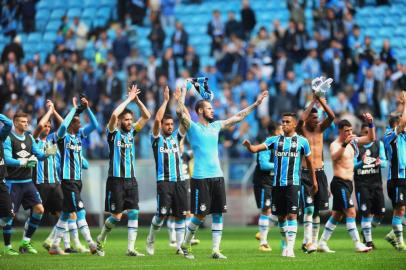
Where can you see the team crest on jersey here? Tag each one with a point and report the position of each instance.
(164, 210)
(23, 146)
(23, 154)
(203, 207)
(368, 152)
(363, 207)
(350, 202)
(294, 144)
(273, 207)
(267, 202)
(294, 208)
(309, 200)
(80, 204)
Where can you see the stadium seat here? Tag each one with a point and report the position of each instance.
(90, 3)
(46, 47)
(34, 38)
(53, 25)
(104, 12)
(43, 5)
(57, 14)
(60, 4)
(49, 37)
(42, 14)
(73, 12)
(75, 3)
(89, 13)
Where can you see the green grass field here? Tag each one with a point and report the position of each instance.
(238, 244)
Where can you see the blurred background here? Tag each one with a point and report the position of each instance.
(59, 49)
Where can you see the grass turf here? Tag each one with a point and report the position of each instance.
(238, 244)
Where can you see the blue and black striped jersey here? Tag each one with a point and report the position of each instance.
(395, 146)
(47, 170)
(70, 149)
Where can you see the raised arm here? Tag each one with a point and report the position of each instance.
(181, 110)
(337, 150)
(66, 122)
(7, 125)
(330, 114)
(114, 117)
(304, 116)
(242, 114)
(145, 114)
(93, 121)
(371, 132)
(160, 113)
(402, 123)
(254, 148)
(41, 124)
(58, 119)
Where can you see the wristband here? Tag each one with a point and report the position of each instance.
(344, 145)
(371, 125)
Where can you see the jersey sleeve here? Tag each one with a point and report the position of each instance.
(111, 135)
(269, 142)
(306, 147)
(217, 125)
(178, 135)
(264, 160)
(154, 138)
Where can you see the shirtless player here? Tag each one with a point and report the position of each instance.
(312, 129)
(343, 150)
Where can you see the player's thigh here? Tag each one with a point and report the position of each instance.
(378, 201)
(218, 199)
(363, 196)
(180, 204)
(164, 198)
(6, 207)
(72, 200)
(31, 196)
(114, 198)
(321, 199)
(279, 202)
(200, 197)
(258, 190)
(292, 194)
(54, 202)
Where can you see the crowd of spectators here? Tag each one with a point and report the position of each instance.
(276, 58)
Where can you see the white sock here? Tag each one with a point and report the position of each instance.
(84, 230)
(315, 230)
(74, 234)
(156, 225)
(308, 226)
(366, 227)
(398, 229)
(352, 229)
(291, 234)
(273, 221)
(263, 224)
(217, 232)
(170, 223)
(329, 229)
(60, 228)
(66, 239)
(180, 232)
(283, 227)
(132, 233)
(191, 229)
(109, 224)
(51, 235)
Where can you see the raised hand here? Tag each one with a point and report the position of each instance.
(50, 105)
(246, 143)
(84, 102)
(350, 138)
(134, 92)
(166, 93)
(261, 97)
(368, 118)
(75, 102)
(177, 93)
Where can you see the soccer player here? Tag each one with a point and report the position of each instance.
(263, 175)
(343, 150)
(207, 184)
(395, 145)
(21, 153)
(312, 129)
(122, 186)
(6, 208)
(288, 149)
(368, 185)
(69, 139)
(172, 190)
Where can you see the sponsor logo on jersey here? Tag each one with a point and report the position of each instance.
(23, 154)
(74, 147)
(286, 154)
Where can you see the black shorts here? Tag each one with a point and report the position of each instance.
(51, 196)
(320, 199)
(172, 199)
(25, 194)
(6, 207)
(263, 189)
(188, 193)
(370, 198)
(121, 194)
(285, 200)
(397, 192)
(72, 202)
(208, 196)
(341, 190)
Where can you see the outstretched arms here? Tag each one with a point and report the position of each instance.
(160, 113)
(68, 119)
(254, 148)
(242, 114)
(330, 114)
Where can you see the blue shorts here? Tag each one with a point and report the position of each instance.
(25, 194)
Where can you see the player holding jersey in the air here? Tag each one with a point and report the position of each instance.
(69, 139)
(122, 186)
(288, 150)
(207, 184)
(172, 189)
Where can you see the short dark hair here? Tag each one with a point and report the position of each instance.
(20, 114)
(121, 115)
(393, 120)
(166, 117)
(344, 123)
(199, 105)
(291, 114)
(314, 110)
(272, 126)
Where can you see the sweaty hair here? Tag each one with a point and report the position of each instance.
(121, 115)
(313, 110)
(20, 114)
(393, 120)
(291, 114)
(344, 123)
(199, 105)
(166, 117)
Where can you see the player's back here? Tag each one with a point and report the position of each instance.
(204, 142)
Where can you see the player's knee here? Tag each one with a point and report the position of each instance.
(117, 216)
(309, 210)
(81, 215)
(65, 216)
(132, 214)
(200, 217)
(217, 218)
(38, 209)
(73, 215)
